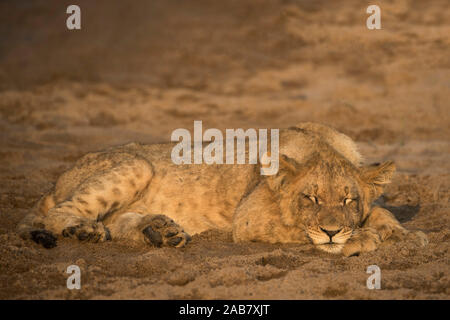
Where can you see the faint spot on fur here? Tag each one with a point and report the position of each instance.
(116, 180)
(115, 205)
(99, 186)
(83, 191)
(224, 215)
(81, 200)
(102, 201)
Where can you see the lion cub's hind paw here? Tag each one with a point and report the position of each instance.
(44, 238)
(94, 232)
(163, 231)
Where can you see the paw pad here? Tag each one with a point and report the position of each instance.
(44, 238)
(92, 233)
(162, 230)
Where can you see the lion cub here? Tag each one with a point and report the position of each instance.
(321, 194)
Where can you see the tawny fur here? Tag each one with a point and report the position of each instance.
(321, 194)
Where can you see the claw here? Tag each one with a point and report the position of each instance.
(174, 241)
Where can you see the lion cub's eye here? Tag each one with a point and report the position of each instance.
(312, 198)
(347, 201)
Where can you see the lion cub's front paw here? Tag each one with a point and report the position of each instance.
(92, 232)
(418, 237)
(364, 240)
(161, 230)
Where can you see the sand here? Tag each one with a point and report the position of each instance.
(138, 70)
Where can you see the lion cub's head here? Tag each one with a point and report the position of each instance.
(327, 195)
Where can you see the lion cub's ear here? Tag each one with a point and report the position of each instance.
(377, 176)
(287, 167)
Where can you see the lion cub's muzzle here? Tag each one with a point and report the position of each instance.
(329, 239)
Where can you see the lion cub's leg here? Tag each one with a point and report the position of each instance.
(155, 229)
(64, 221)
(378, 227)
(100, 195)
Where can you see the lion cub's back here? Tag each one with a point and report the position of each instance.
(196, 196)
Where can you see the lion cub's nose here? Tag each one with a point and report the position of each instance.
(330, 233)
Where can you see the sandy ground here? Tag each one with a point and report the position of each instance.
(138, 70)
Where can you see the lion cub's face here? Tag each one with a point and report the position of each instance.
(329, 199)
(330, 202)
